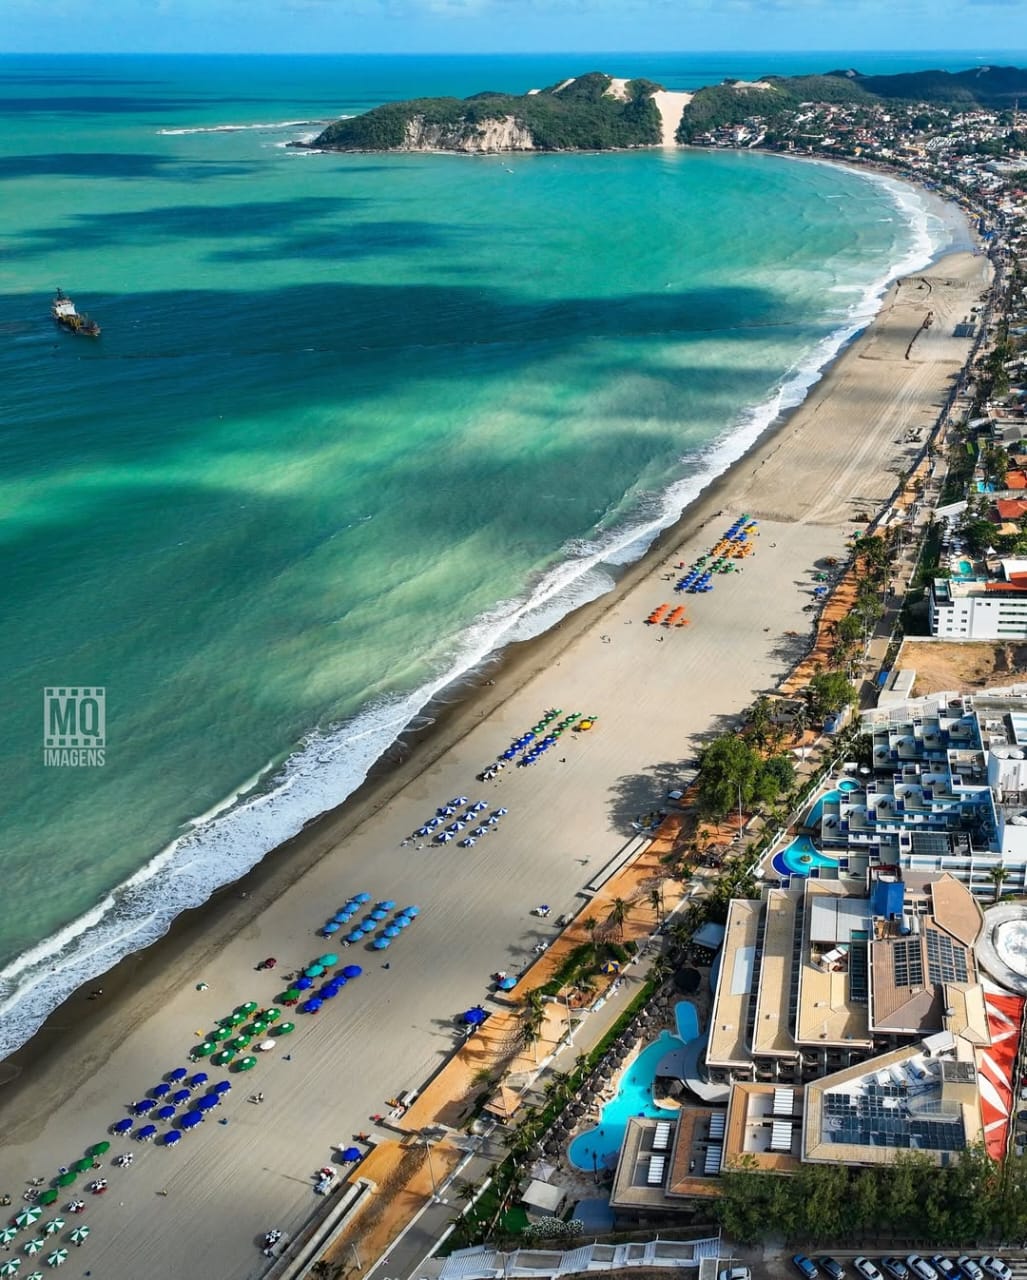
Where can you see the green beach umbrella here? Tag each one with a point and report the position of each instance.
(10, 1267)
(239, 1043)
(205, 1050)
(58, 1257)
(222, 1033)
(237, 1019)
(285, 1028)
(47, 1197)
(34, 1246)
(79, 1234)
(98, 1148)
(245, 1064)
(7, 1234)
(66, 1179)
(223, 1057)
(80, 1166)
(313, 970)
(27, 1216)
(272, 1015)
(291, 994)
(249, 1007)
(36, 1275)
(256, 1028)
(53, 1226)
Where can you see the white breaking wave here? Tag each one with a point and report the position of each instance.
(245, 128)
(234, 835)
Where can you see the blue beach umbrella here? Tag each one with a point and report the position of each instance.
(312, 1005)
(341, 917)
(355, 936)
(195, 1081)
(147, 1133)
(164, 1113)
(380, 944)
(143, 1106)
(208, 1102)
(223, 1086)
(172, 1137)
(402, 922)
(507, 983)
(331, 927)
(387, 905)
(303, 984)
(392, 931)
(411, 911)
(191, 1119)
(368, 926)
(351, 1155)
(475, 1017)
(121, 1126)
(352, 971)
(180, 1096)
(378, 914)
(179, 1073)
(361, 898)
(160, 1091)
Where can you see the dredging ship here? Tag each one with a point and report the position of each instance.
(66, 317)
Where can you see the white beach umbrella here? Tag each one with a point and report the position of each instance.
(53, 1226)
(34, 1246)
(57, 1258)
(8, 1234)
(10, 1267)
(80, 1234)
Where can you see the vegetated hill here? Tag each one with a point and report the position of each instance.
(981, 86)
(578, 114)
(734, 101)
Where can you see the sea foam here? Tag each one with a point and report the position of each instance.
(223, 844)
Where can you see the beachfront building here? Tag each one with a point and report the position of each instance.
(946, 792)
(979, 604)
(823, 975)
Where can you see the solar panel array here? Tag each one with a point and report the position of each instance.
(711, 1165)
(657, 1165)
(908, 963)
(717, 1122)
(661, 1138)
(879, 1117)
(946, 962)
(859, 985)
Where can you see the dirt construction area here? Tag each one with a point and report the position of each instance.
(962, 665)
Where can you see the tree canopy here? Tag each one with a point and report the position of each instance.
(732, 772)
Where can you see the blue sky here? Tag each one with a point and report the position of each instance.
(469, 26)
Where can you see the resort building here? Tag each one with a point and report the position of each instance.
(820, 976)
(945, 792)
(981, 607)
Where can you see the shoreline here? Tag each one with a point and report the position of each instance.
(453, 713)
(440, 708)
(657, 703)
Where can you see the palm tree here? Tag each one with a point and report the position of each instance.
(656, 899)
(998, 876)
(618, 914)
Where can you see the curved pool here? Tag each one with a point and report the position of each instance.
(634, 1097)
(800, 857)
(848, 784)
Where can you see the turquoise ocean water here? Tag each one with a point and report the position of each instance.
(353, 422)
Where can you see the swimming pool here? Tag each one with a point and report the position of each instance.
(634, 1097)
(800, 857)
(963, 568)
(848, 784)
(686, 1017)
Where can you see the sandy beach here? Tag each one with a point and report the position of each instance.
(658, 694)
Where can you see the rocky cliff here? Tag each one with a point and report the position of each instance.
(480, 138)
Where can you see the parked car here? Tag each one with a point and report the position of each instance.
(921, 1268)
(736, 1273)
(996, 1267)
(896, 1268)
(945, 1267)
(831, 1268)
(806, 1267)
(866, 1269)
(969, 1268)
